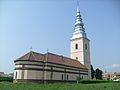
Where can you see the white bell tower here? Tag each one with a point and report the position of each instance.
(80, 47)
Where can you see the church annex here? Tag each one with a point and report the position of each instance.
(49, 67)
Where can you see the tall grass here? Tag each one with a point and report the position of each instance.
(58, 86)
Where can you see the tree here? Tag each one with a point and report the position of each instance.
(92, 72)
(98, 74)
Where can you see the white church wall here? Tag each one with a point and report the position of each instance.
(18, 72)
(57, 76)
(72, 76)
(31, 74)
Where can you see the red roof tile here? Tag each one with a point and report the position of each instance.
(64, 60)
(116, 73)
(1, 73)
(32, 56)
(53, 58)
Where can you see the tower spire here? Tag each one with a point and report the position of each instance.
(79, 43)
(79, 30)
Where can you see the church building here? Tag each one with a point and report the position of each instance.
(49, 67)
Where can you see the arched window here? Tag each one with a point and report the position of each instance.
(76, 58)
(76, 46)
(16, 75)
(82, 77)
(85, 46)
(67, 77)
(62, 76)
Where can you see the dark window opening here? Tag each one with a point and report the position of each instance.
(16, 75)
(85, 46)
(76, 46)
(67, 77)
(81, 77)
(76, 58)
(62, 76)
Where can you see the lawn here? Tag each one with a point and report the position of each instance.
(58, 86)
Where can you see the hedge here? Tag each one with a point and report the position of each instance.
(9, 79)
(95, 81)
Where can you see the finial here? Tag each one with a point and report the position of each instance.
(31, 48)
(47, 50)
(78, 6)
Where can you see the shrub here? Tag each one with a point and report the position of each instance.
(9, 79)
(94, 81)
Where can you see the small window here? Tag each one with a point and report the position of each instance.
(76, 58)
(62, 76)
(85, 46)
(82, 77)
(16, 75)
(76, 46)
(67, 77)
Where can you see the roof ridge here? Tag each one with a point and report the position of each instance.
(51, 53)
(33, 55)
(62, 56)
(38, 53)
(29, 55)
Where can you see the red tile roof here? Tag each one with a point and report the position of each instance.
(1, 73)
(53, 58)
(116, 73)
(64, 60)
(32, 56)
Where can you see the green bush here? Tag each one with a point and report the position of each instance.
(9, 79)
(94, 81)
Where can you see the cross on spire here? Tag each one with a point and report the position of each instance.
(47, 50)
(78, 5)
(31, 48)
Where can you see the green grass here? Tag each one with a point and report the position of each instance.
(58, 86)
(96, 81)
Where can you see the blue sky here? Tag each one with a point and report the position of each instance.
(49, 24)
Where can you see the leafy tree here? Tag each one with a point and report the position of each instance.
(98, 74)
(92, 72)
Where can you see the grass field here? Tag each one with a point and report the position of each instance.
(63, 86)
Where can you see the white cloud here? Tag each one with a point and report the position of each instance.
(113, 66)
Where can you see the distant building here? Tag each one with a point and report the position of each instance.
(1, 74)
(111, 76)
(36, 67)
(10, 75)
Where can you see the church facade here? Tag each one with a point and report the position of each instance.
(49, 67)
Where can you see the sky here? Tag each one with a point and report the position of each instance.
(49, 24)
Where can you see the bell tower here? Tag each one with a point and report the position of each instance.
(80, 47)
